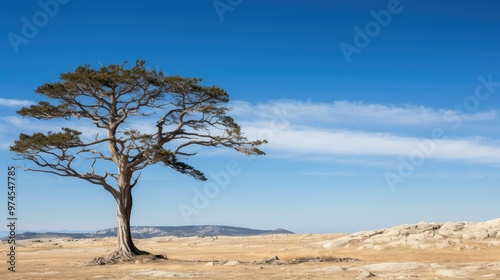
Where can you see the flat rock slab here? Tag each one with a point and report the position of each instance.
(330, 269)
(393, 267)
(229, 263)
(162, 274)
(452, 273)
(339, 242)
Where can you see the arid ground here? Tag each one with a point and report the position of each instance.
(385, 254)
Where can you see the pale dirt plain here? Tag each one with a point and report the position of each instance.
(420, 251)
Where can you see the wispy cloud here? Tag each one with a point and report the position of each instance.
(29, 124)
(346, 112)
(293, 130)
(334, 143)
(13, 125)
(309, 131)
(15, 102)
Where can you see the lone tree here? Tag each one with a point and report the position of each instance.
(184, 113)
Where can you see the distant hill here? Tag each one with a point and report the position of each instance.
(32, 235)
(156, 231)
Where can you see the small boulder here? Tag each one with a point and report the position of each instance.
(437, 265)
(393, 267)
(452, 273)
(330, 269)
(231, 263)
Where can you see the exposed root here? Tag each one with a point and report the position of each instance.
(119, 256)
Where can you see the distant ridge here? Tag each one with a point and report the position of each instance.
(157, 231)
(187, 231)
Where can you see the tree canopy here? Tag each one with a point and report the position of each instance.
(143, 116)
(186, 112)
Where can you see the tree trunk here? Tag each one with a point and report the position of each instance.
(126, 249)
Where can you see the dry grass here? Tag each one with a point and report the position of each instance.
(188, 257)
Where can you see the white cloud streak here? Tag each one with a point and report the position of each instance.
(294, 130)
(15, 125)
(15, 102)
(308, 131)
(343, 112)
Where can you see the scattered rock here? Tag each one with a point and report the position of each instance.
(437, 265)
(267, 261)
(162, 274)
(472, 268)
(229, 263)
(363, 274)
(330, 269)
(393, 267)
(452, 273)
(494, 266)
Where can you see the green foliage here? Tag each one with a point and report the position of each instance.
(40, 142)
(188, 114)
(44, 110)
(168, 158)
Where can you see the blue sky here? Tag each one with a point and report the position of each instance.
(402, 128)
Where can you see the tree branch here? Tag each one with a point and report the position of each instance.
(190, 115)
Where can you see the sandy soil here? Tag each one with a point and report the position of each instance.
(243, 258)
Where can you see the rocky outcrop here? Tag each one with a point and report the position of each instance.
(393, 267)
(422, 236)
